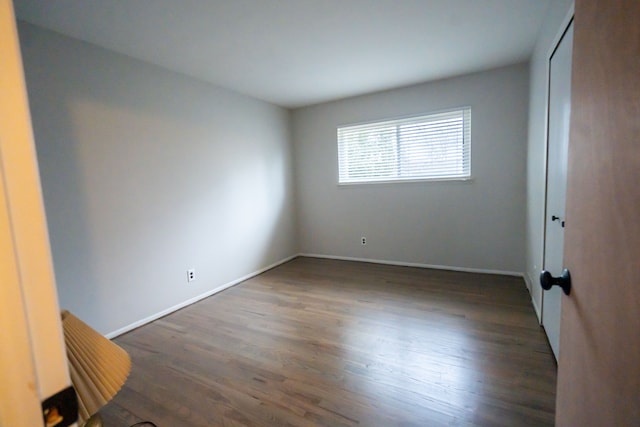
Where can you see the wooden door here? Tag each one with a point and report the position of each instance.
(599, 366)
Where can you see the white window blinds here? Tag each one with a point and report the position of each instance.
(435, 146)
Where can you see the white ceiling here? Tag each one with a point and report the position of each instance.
(300, 52)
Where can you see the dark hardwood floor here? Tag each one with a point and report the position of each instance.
(319, 342)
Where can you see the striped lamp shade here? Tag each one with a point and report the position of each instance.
(98, 367)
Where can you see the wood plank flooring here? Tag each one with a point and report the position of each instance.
(319, 342)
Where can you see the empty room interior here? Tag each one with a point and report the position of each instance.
(255, 201)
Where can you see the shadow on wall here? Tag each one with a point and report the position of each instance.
(147, 173)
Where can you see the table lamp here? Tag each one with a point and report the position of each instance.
(98, 368)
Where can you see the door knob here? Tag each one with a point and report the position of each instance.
(564, 281)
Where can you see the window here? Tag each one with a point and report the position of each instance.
(432, 147)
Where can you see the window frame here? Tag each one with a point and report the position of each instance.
(396, 121)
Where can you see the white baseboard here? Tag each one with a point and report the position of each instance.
(221, 288)
(419, 265)
(530, 283)
(195, 299)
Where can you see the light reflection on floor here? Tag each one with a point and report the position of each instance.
(390, 355)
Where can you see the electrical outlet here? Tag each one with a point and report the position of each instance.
(191, 275)
(363, 240)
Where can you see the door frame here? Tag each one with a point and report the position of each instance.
(566, 22)
(33, 360)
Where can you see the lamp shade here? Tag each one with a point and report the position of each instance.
(98, 367)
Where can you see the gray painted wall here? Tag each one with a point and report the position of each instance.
(146, 173)
(536, 147)
(478, 224)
